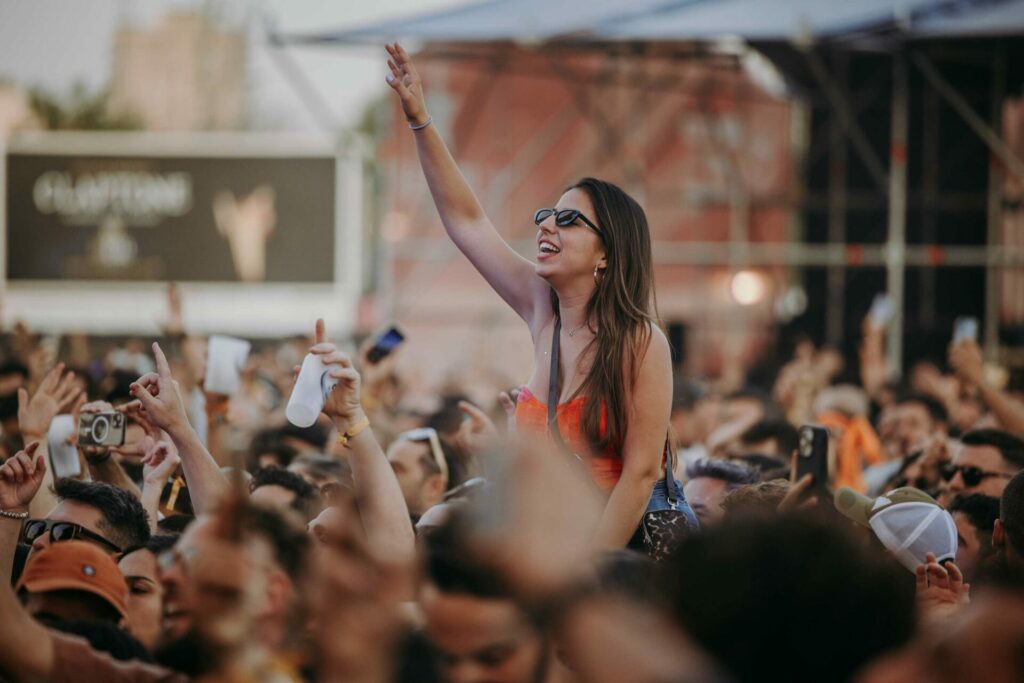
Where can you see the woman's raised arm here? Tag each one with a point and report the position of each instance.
(511, 275)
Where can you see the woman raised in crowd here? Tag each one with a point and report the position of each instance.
(589, 298)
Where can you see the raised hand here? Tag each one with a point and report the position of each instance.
(159, 463)
(967, 362)
(20, 479)
(137, 414)
(160, 397)
(343, 404)
(57, 392)
(477, 432)
(405, 81)
(941, 590)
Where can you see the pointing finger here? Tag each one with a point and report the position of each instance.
(162, 367)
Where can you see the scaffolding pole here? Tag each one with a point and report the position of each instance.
(837, 208)
(995, 212)
(896, 246)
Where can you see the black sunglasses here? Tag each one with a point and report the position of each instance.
(63, 531)
(564, 218)
(972, 476)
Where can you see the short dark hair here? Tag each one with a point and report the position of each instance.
(1011, 512)
(315, 435)
(13, 367)
(981, 510)
(305, 493)
(325, 467)
(453, 567)
(9, 406)
(747, 623)
(268, 441)
(104, 637)
(782, 431)
(288, 539)
(936, 411)
(732, 473)
(768, 467)
(1008, 445)
(175, 525)
(124, 520)
(685, 394)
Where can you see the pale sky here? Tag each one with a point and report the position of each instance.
(53, 43)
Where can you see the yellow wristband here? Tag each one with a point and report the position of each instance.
(353, 432)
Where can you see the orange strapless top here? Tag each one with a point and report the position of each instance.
(532, 417)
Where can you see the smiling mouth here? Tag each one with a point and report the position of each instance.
(546, 248)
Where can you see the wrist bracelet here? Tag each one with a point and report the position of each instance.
(421, 126)
(13, 515)
(353, 432)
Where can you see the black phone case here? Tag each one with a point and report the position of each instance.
(812, 454)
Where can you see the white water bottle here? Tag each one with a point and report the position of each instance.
(310, 392)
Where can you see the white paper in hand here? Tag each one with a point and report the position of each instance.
(224, 363)
(63, 456)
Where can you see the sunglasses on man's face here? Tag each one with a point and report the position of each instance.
(565, 218)
(972, 476)
(63, 531)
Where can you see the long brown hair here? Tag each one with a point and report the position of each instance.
(621, 311)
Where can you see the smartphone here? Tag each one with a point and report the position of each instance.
(882, 311)
(101, 429)
(812, 454)
(965, 328)
(385, 344)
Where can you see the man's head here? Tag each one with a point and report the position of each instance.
(480, 632)
(105, 515)
(275, 550)
(275, 487)
(319, 470)
(1008, 534)
(776, 438)
(813, 583)
(918, 420)
(708, 482)
(975, 516)
(694, 413)
(987, 461)
(71, 581)
(421, 466)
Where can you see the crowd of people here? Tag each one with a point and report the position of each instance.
(609, 520)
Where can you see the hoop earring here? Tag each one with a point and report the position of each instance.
(597, 270)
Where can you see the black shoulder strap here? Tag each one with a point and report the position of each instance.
(553, 387)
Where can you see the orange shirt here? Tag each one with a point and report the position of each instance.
(532, 417)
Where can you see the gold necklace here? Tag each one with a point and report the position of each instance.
(576, 329)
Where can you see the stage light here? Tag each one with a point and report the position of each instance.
(747, 287)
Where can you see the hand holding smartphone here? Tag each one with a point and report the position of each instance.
(812, 455)
(965, 328)
(385, 344)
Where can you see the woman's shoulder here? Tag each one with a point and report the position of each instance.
(653, 352)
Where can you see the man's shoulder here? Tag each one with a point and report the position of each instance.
(75, 660)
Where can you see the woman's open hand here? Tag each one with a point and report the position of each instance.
(405, 81)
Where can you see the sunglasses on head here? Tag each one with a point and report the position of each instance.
(63, 531)
(429, 434)
(972, 476)
(564, 218)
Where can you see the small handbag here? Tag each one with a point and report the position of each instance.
(668, 517)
